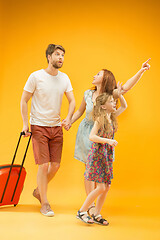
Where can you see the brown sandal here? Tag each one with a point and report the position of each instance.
(83, 216)
(88, 211)
(100, 221)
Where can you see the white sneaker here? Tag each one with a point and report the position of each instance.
(46, 210)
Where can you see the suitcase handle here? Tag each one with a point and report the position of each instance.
(22, 133)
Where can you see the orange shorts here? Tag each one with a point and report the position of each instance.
(47, 143)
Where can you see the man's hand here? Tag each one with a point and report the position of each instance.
(66, 123)
(26, 131)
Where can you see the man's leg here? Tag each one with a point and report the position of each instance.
(55, 145)
(52, 170)
(55, 150)
(42, 182)
(40, 140)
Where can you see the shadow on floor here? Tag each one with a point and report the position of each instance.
(72, 209)
(20, 208)
(36, 208)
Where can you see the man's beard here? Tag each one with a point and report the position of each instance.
(56, 65)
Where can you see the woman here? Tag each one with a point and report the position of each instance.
(104, 81)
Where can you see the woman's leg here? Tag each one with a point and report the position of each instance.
(92, 196)
(101, 199)
(89, 187)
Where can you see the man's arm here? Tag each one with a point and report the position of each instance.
(24, 111)
(66, 123)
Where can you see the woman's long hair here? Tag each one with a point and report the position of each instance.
(99, 114)
(108, 82)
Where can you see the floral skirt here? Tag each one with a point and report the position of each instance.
(99, 166)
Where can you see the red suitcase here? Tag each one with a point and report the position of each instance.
(12, 179)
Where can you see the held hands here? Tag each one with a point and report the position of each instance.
(66, 123)
(145, 65)
(112, 142)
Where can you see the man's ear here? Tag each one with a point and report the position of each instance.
(49, 57)
(103, 106)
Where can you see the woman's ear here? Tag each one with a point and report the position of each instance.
(103, 107)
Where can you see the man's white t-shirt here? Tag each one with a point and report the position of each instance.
(47, 96)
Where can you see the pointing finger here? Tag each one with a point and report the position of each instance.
(148, 60)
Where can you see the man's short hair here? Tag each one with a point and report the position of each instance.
(51, 48)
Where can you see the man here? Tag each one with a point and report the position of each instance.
(46, 87)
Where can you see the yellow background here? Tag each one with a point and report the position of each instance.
(119, 36)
